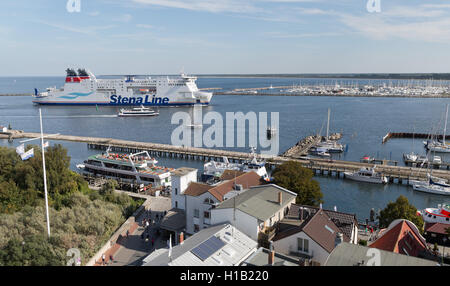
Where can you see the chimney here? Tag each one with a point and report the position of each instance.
(280, 198)
(339, 239)
(271, 254)
(181, 238)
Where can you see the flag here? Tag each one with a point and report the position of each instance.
(20, 149)
(96, 107)
(46, 144)
(27, 155)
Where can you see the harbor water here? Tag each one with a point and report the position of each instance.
(363, 121)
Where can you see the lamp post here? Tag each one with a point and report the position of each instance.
(443, 251)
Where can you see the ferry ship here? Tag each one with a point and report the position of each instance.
(83, 88)
(133, 168)
(441, 214)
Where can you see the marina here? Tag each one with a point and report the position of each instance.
(320, 166)
(299, 118)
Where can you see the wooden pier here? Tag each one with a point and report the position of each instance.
(412, 135)
(322, 166)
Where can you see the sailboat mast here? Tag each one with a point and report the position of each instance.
(445, 125)
(328, 123)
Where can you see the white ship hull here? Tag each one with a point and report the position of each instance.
(160, 91)
(373, 180)
(432, 189)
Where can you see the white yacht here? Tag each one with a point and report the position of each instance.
(439, 187)
(437, 146)
(216, 169)
(411, 157)
(441, 214)
(368, 175)
(137, 111)
(329, 146)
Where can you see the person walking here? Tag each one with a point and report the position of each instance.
(103, 259)
(111, 258)
(128, 232)
(153, 242)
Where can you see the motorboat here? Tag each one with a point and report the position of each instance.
(137, 111)
(411, 157)
(367, 159)
(216, 169)
(441, 214)
(368, 175)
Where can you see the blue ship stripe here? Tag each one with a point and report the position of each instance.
(110, 104)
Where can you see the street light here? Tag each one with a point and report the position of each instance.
(443, 251)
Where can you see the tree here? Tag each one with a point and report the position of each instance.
(35, 250)
(400, 209)
(298, 179)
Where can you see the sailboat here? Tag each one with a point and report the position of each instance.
(440, 147)
(411, 157)
(328, 145)
(432, 185)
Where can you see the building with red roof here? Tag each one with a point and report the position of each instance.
(403, 237)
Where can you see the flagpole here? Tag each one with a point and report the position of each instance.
(45, 176)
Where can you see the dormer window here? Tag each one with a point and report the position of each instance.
(208, 201)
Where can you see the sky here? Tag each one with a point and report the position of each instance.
(44, 37)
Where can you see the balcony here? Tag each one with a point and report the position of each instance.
(196, 220)
(266, 235)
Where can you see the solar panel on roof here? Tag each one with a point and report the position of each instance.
(208, 248)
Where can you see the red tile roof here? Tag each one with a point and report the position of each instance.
(401, 238)
(247, 180)
(319, 227)
(436, 227)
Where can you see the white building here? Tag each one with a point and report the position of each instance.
(255, 210)
(181, 178)
(313, 237)
(220, 245)
(200, 198)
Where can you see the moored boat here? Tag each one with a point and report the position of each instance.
(441, 214)
(368, 175)
(137, 168)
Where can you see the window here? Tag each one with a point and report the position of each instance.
(206, 214)
(196, 228)
(208, 201)
(176, 204)
(176, 191)
(302, 245)
(196, 213)
(306, 245)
